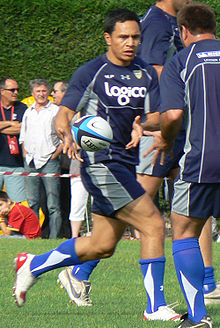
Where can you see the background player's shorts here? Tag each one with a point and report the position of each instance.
(199, 200)
(145, 166)
(112, 185)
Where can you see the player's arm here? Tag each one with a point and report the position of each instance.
(152, 123)
(170, 124)
(63, 129)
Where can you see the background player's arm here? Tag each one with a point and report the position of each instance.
(159, 69)
(170, 124)
(63, 130)
(152, 123)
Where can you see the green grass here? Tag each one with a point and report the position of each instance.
(118, 293)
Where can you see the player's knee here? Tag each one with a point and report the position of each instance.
(105, 251)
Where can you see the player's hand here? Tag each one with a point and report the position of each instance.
(160, 145)
(136, 133)
(70, 148)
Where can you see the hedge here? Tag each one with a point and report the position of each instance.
(51, 38)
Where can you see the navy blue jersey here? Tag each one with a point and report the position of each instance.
(160, 36)
(118, 94)
(6, 159)
(192, 78)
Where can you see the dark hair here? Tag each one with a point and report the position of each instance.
(119, 15)
(4, 196)
(197, 17)
(3, 81)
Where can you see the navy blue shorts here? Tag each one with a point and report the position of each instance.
(112, 185)
(162, 171)
(198, 200)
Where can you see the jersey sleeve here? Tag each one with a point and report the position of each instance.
(78, 92)
(172, 87)
(155, 42)
(152, 100)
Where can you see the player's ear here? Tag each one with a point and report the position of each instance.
(107, 38)
(184, 33)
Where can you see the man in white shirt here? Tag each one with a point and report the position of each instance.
(41, 148)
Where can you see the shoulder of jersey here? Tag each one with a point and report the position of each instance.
(156, 15)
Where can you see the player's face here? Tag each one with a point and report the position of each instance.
(40, 94)
(178, 4)
(10, 92)
(57, 93)
(123, 42)
(5, 207)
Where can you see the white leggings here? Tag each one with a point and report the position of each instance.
(79, 197)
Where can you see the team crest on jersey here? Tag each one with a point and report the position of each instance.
(138, 73)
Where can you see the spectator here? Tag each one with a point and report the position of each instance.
(79, 195)
(17, 220)
(41, 148)
(10, 152)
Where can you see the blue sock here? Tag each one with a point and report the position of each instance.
(209, 281)
(63, 255)
(190, 272)
(83, 271)
(153, 272)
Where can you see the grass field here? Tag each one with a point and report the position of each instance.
(117, 293)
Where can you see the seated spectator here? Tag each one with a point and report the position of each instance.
(17, 220)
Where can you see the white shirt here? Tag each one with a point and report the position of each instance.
(38, 134)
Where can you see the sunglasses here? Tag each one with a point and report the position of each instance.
(13, 89)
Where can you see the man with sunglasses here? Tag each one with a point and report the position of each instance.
(11, 114)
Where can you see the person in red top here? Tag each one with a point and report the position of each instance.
(17, 219)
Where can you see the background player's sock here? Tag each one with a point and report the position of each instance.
(153, 272)
(209, 280)
(190, 272)
(63, 255)
(83, 271)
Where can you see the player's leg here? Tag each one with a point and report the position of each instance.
(192, 205)
(150, 183)
(210, 288)
(145, 217)
(79, 197)
(189, 263)
(101, 244)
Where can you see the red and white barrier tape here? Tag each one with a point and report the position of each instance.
(33, 174)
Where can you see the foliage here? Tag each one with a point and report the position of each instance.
(117, 291)
(51, 38)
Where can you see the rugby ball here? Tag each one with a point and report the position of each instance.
(92, 133)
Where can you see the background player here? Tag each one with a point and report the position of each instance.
(160, 41)
(192, 72)
(114, 86)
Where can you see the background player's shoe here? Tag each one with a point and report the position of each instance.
(215, 294)
(24, 278)
(206, 322)
(77, 290)
(164, 313)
